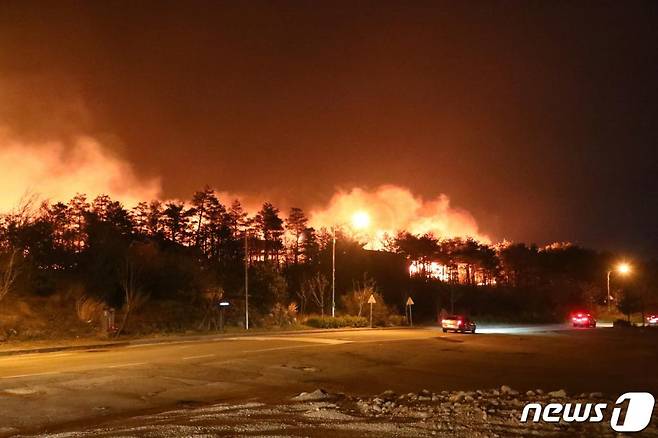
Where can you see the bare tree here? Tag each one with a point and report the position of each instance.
(317, 287)
(133, 295)
(9, 275)
(16, 220)
(362, 291)
(303, 295)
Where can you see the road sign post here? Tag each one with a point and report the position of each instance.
(371, 301)
(410, 303)
(222, 305)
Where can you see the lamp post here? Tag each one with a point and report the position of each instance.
(246, 279)
(622, 268)
(333, 272)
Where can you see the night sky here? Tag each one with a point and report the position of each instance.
(537, 117)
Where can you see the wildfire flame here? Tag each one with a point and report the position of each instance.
(373, 214)
(56, 171)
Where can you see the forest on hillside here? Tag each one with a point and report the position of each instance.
(164, 266)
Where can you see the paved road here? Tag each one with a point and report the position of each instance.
(45, 391)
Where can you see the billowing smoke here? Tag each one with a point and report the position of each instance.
(370, 214)
(57, 171)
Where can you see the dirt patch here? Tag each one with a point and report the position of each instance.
(469, 414)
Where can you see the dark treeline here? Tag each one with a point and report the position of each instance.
(189, 254)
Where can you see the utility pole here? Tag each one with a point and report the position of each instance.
(608, 300)
(333, 273)
(246, 279)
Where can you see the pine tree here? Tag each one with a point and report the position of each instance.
(77, 211)
(176, 222)
(296, 225)
(270, 226)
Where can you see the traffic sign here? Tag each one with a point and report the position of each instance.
(407, 310)
(371, 301)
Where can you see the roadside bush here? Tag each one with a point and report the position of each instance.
(356, 303)
(397, 320)
(623, 323)
(89, 309)
(282, 316)
(337, 322)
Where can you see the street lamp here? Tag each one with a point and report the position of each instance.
(360, 220)
(246, 278)
(622, 268)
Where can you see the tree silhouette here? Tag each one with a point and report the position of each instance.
(296, 224)
(175, 219)
(270, 226)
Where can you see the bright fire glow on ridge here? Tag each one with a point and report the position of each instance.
(372, 214)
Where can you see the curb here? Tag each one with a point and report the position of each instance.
(63, 348)
(190, 338)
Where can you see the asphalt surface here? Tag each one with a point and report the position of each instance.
(67, 390)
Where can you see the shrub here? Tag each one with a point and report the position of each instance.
(397, 320)
(337, 322)
(89, 309)
(282, 316)
(622, 323)
(357, 303)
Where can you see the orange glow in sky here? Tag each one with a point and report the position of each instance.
(370, 215)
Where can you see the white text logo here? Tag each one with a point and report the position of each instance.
(637, 413)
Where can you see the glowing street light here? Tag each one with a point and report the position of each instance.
(622, 268)
(360, 221)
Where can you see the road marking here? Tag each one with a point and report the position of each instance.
(367, 341)
(17, 376)
(159, 344)
(278, 348)
(54, 355)
(292, 338)
(127, 365)
(202, 356)
(33, 356)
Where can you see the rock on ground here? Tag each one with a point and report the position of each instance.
(318, 394)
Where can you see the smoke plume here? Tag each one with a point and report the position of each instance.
(370, 214)
(56, 171)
